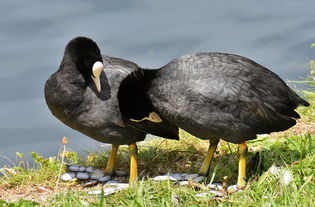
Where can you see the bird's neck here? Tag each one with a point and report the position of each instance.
(132, 95)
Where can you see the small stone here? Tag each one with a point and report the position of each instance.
(177, 176)
(191, 176)
(161, 177)
(107, 191)
(122, 185)
(112, 182)
(97, 174)
(81, 169)
(89, 169)
(82, 175)
(104, 178)
(274, 169)
(199, 179)
(185, 182)
(218, 193)
(119, 185)
(286, 178)
(74, 168)
(67, 176)
(95, 192)
(216, 186)
(232, 188)
(202, 194)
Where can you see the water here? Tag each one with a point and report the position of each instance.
(33, 34)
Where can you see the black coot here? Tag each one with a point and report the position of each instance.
(212, 96)
(84, 96)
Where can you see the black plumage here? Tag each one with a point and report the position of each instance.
(212, 95)
(73, 99)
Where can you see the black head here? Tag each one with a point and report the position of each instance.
(83, 53)
(132, 98)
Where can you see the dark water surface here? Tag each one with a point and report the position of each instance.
(33, 34)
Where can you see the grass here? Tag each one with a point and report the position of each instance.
(287, 153)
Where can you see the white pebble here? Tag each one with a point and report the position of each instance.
(273, 169)
(185, 182)
(216, 192)
(232, 188)
(67, 176)
(161, 177)
(107, 191)
(177, 176)
(82, 175)
(199, 179)
(112, 182)
(191, 176)
(119, 185)
(287, 177)
(217, 186)
(202, 194)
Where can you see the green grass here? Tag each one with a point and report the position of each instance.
(295, 154)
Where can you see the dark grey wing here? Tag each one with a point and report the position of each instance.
(124, 66)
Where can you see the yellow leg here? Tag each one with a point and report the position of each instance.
(205, 167)
(111, 160)
(242, 165)
(133, 152)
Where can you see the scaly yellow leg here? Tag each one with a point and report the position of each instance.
(205, 167)
(111, 160)
(133, 152)
(242, 165)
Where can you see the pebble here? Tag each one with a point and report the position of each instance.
(112, 182)
(190, 176)
(217, 186)
(81, 169)
(199, 179)
(119, 185)
(89, 169)
(97, 174)
(177, 176)
(82, 175)
(73, 167)
(67, 176)
(185, 182)
(110, 190)
(104, 178)
(232, 188)
(215, 192)
(161, 177)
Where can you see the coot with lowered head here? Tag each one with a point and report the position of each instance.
(212, 96)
